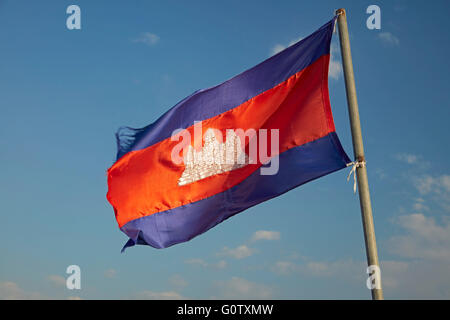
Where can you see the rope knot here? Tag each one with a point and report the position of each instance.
(355, 165)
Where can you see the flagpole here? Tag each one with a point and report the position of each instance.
(358, 149)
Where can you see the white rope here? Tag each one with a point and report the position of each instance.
(355, 165)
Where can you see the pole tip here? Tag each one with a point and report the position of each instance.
(340, 11)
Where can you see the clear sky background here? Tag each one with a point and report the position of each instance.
(64, 93)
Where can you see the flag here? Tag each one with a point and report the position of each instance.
(224, 149)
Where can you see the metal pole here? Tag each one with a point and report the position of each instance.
(361, 172)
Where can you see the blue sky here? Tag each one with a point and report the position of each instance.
(65, 92)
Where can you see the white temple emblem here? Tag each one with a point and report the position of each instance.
(215, 157)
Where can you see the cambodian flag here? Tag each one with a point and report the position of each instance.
(227, 148)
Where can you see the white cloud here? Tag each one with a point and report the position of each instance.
(318, 268)
(342, 268)
(57, 280)
(389, 38)
(284, 267)
(424, 238)
(202, 263)
(345, 269)
(266, 235)
(197, 262)
(153, 295)
(110, 273)
(445, 182)
(419, 205)
(417, 279)
(11, 291)
(280, 47)
(408, 158)
(147, 38)
(277, 48)
(240, 252)
(400, 279)
(178, 281)
(239, 288)
(335, 69)
(424, 242)
(424, 184)
(380, 173)
(436, 186)
(391, 273)
(220, 265)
